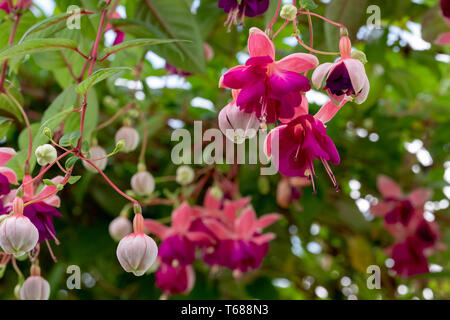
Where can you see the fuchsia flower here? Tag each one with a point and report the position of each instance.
(41, 213)
(239, 8)
(295, 145)
(415, 237)
(242, 246)
(175, 279)
(7, 175)
(21, 4)
(270, 89)
(177, 244)
(120, 35)
(444, 38)
(345, 78)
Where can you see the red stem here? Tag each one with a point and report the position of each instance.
(276, 15)
(321, 17)
(10, 41)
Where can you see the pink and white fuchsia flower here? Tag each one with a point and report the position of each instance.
(137, 252)
(344, 79)
(7, 175)
(35, 287)
(270, 89)
(18, 235)
(130, 136)
(119, 228)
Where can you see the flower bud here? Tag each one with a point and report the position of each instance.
(185, 175)
(288, 12)
(209, 52)
(236, 124)
(137, 251)
(18, 234)
(345, 47)
(119, 228)
(143, 183)
(46, 154)
(130, 136)
(96, 152)
(35, 288)
(284, 192)
(47, 132)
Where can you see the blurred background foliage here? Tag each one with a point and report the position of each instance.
(322, 250)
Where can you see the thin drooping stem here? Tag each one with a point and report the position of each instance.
(281, 28)
(109, 181)
(294, 23)
(340, 25)
(10, 42)
(275, 16)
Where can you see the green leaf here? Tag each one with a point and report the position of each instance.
(74, 179)
(49, 26)
(7, 104)
(136, 43)
(70, 139)
(5, 124)
(70, 162)
(173, 19)
(36, 45)
(307, 4)
(48, 182)
(98, 76)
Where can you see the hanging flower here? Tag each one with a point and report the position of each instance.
(7, 175)
(270, 89)
(238, 9)
(345, 78)
(296, 144)
(175, 279)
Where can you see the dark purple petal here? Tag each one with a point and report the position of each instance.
(409, 259)
(339, 82)
(228, 5)
(4, 185)
(445, 6)
(41, 215)
(253, 8)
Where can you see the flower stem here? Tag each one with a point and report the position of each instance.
(269, 27)
(10, 42)
(321, 17)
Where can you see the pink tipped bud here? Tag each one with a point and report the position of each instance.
(18, 235)
(143, 183)
(136, 253)
(130, 136)
(345, 47)
(119, 228)
(35, 288)
(96, 152)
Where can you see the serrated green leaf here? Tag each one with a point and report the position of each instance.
(74, 179)
(70, 162)
(98, 76)
(36, 45)
(70, 139)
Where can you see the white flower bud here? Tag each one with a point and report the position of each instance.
(46, 154)
(185, 175)
(288, 12)
(96, 152)
(18, 235)
(130, 136)
(35, 288)
(136, 253)
(143, 183)
(119, 228)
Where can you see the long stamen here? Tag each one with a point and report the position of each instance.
(51, 251)
(52, 234)
(330, 173)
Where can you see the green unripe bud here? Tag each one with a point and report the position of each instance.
(288, 12)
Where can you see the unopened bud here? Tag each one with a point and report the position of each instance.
(216, 192)
(185, 175)
(288, 12)
(96, 152)
(35, 288)
(130, 137)
(143, 183)
(46, 154)
(18, 235)
(47, 132)
(119, 228)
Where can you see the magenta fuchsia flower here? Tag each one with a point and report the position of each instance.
(344, 79)
(120, 35)
(444, 38)
(237, 9)
(175, 279)
(270, 89)
(242, 246)
(5, 155)
(295, 145)
(397, 209)
(408, 261)
(177, 244)
(21, 5)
